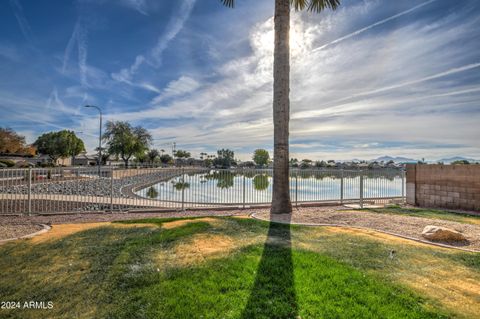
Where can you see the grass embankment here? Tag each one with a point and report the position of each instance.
(236, 268)
(461, 217)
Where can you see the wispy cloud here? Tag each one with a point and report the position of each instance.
(154, 57)
(373, 25)
(182, 86)
(22, 20)
(358, 99)
(138, 5)
(78, 38)
(381, 82)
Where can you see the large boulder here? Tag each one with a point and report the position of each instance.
(437, 233)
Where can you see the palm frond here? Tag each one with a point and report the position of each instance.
(228, 3)
(319, 5)
(298, 4)
(314, 5)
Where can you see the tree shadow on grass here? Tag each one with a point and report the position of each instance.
(273, 294)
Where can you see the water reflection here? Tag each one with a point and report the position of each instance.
(225, 179)
(181, 185)
(152, 192)
(255, 186)
(260, 182)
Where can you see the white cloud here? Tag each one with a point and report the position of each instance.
(182, 86)
(404, 91)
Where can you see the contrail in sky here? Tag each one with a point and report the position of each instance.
(348, 36)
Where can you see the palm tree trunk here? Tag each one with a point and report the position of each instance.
(281, 109)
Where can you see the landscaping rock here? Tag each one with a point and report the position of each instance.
(437, 233)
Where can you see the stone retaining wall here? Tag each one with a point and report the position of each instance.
(444, 186)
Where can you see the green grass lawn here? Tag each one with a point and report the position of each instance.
(428, 213)
(234, 268)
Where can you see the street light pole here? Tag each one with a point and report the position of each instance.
(99, 140)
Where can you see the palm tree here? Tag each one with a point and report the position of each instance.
(281, 101)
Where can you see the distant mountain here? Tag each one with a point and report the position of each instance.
(456, 158)
(397, 159)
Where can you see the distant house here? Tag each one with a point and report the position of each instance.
(22, 161)
(83, 159)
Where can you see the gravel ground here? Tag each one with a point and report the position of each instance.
(14, 231)
(90, 187)
(49, 206)
(396, 224)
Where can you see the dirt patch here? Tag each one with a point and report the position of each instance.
(63, 230)
(182, 222)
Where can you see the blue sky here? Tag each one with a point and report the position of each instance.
(374, 77)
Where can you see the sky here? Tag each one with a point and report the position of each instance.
(373, 78)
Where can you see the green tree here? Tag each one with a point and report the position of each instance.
(281, 89)
(320, 164)
(153, 154)
(261, 157)
(306, 163)
(182, 154)
(141, 157)
(460, 162)
(59, 144)
(166, 159)
(294, 162)
(125, 141)
(225, 158)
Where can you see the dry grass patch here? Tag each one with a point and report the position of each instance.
(419, 266)
(242, 216)
(63, 230)
(455, 288)
(183, 222)
(197, 249)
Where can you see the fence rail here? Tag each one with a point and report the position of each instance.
(49, 190)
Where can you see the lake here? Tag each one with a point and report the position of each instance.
(255, 186)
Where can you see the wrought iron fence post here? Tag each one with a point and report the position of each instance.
(29, 191)
(183, 189)
(361, 189)
(111, 190)
(296, 188)
(243, 173)
(341, 187)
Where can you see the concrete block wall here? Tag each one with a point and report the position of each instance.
(444, 186)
